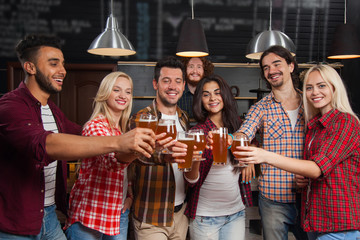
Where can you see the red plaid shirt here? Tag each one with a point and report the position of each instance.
(96, 197)
(194, 191)
(333, 205)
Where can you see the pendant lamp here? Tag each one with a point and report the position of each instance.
(345, 44)
(111, 42)
(266, 39)
(192, 41)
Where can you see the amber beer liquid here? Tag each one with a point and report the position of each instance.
(144, 123)
(238, 143)
(186, 166)
(220, 146)
(169, 129)
(200, 141)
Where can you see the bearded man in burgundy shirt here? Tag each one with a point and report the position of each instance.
(34, 134)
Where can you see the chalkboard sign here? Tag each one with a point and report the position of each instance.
(153, 26)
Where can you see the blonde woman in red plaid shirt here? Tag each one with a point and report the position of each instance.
(331, 177)
(100, 198)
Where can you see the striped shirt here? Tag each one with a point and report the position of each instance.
(333, 142)
(96, 197)
(273, 123)
(49, 170)
(154, 185)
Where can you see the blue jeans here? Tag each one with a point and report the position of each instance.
(218, 228)
(50, 228)
(276, 218)
(77, 231)
(347, 235)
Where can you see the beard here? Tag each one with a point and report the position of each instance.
(45, 83)
(166, 102)
(193, 82)
(276, 84)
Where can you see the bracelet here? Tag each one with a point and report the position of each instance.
(131, 197)
(232, 138)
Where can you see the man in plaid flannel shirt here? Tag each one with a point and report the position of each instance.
(279, 119)
(159, 189)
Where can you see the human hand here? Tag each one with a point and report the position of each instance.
(248, 173)
(209, 141)
(301, 181)
(178, 150)
(127, 204)
(249, 154)
(140, 141)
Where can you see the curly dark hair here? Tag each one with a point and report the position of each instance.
(207, 64)
(28, 48)
(284, 53)
(170, 62)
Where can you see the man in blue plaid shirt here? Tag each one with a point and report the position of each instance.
(279, 119)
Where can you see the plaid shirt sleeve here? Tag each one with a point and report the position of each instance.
(253, 120)
(332, 142)
(101, 127)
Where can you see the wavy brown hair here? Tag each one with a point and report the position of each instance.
(207, 64)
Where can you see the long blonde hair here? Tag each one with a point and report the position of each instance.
(100, 106)
(339, 100)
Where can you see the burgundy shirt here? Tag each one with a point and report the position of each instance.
(332, 202)
(194, 190)
(22, 160)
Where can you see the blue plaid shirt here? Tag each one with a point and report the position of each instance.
(273, 123)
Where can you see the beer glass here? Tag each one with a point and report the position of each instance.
(241, 141)
(169, 127)
(219, 145)
(188, 139)
(147, 120)
(200, 142)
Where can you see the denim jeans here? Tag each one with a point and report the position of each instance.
(50, 229)
(346, 235)
(218, 228)
(77, 231)
(276, 218)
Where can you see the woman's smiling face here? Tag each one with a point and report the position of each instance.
(211, 98)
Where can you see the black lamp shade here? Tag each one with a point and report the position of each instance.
(345, 44)
(192, 41)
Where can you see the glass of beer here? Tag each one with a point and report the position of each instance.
(147, 120)
(200, 142)
(219, 145)
(188, 139)
(169, 127)
(241, 141)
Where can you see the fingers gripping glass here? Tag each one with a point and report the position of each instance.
(169, 127)
(188, 139)
(146, 120)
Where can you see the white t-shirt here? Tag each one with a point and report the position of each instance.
(293, 116)
(179, 179)
(220, 193)
(49, 170)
